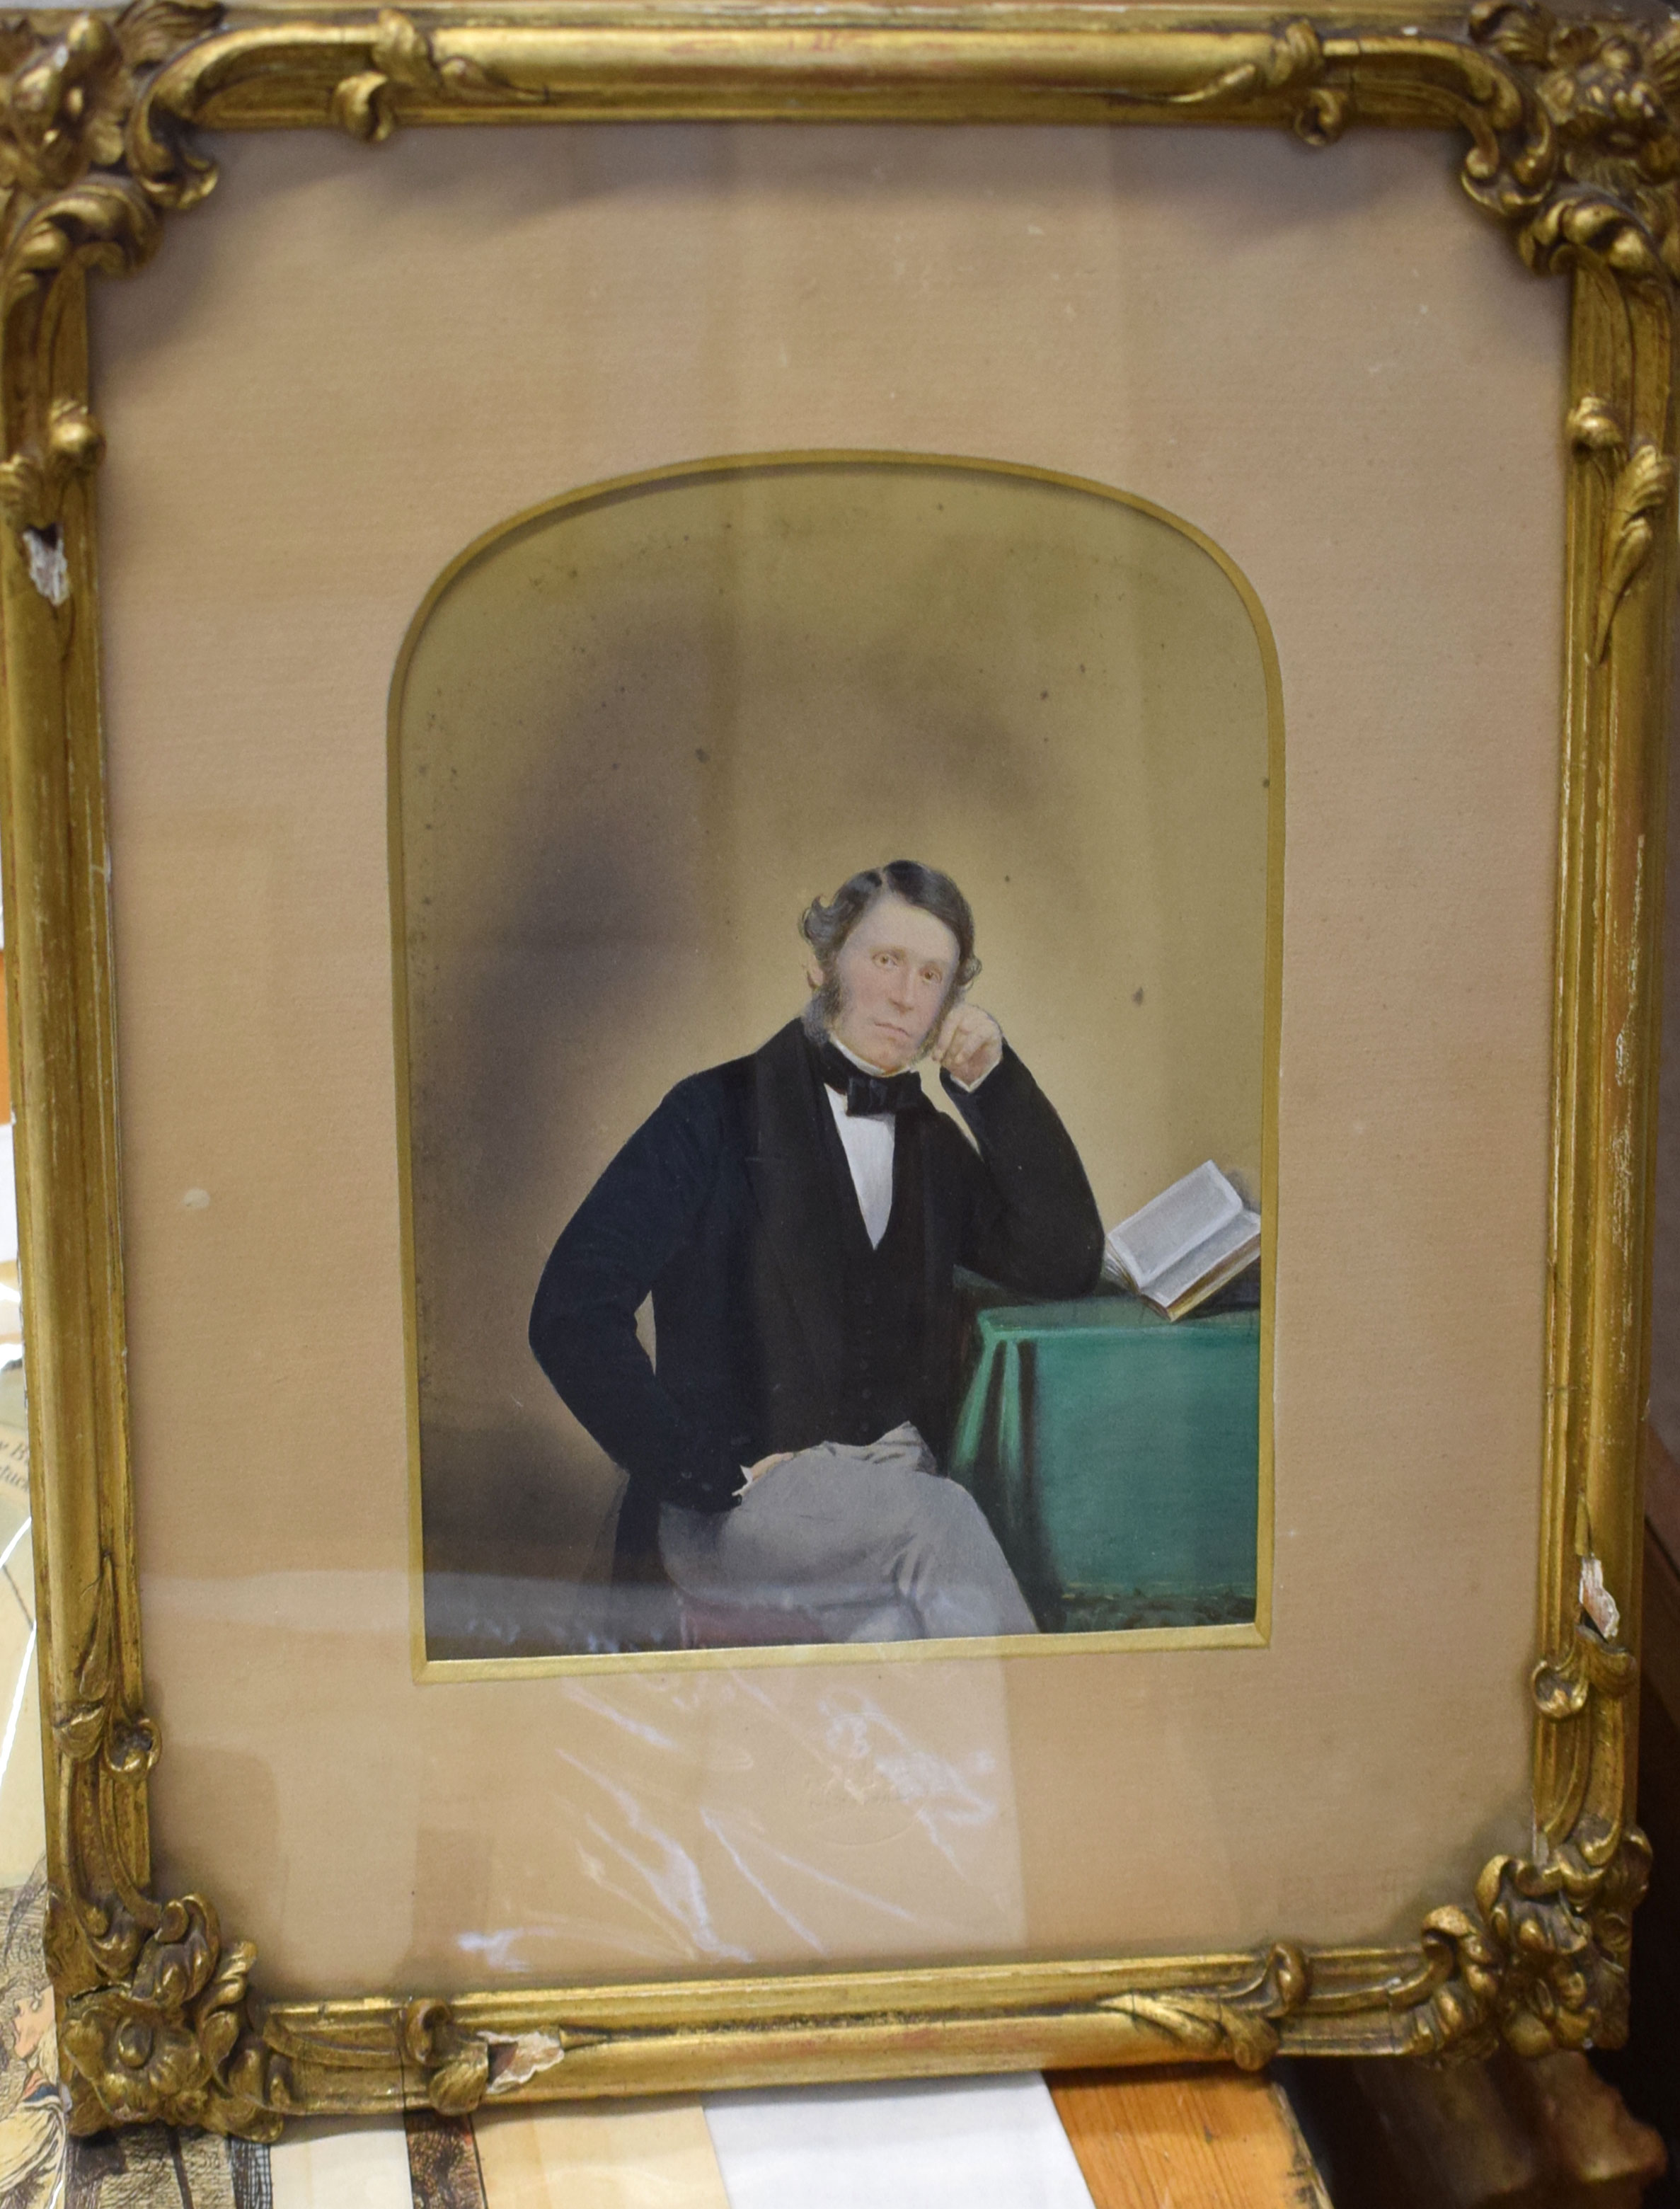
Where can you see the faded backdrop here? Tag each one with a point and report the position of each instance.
(634, 734)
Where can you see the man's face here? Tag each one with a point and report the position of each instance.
(895, 972)
(31, 2021)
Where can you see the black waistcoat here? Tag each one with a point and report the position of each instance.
(884, 1348)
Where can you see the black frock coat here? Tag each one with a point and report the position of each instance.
(725, 1206)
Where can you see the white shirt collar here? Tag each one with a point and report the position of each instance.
(862, 1065)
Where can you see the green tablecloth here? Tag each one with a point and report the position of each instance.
(1116, 1455)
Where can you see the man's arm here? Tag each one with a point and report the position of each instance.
(583, 1322)
(1034, 1223)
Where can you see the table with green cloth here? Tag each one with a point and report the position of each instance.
(1116, 1455)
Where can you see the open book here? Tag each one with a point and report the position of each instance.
(1185, 1243)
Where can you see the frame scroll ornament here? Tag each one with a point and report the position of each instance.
(1573, 144)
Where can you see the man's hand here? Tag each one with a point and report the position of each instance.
(766, 1465)
(969, 1044)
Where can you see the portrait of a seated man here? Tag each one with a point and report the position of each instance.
(798, 1216)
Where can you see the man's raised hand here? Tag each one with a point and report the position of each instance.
(969, 1044)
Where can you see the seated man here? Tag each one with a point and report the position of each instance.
(797, 1216)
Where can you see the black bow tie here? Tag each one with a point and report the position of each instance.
(867, 1094)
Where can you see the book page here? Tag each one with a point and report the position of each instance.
(1195, 1265)
(1173, 1224)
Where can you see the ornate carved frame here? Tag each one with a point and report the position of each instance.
(1574, 143)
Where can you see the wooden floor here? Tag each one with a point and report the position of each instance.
(1192, 2139)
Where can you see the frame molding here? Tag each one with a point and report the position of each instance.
(1574, 131)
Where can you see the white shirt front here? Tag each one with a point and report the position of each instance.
(869, 1141)
(868, 1151)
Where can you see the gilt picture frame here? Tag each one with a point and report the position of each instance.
(1564, 135)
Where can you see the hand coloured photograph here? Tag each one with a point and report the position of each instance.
(836, 905)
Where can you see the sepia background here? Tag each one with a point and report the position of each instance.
(634, 736)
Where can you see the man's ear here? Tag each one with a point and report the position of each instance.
(813, 975)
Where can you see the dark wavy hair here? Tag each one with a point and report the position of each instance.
(825, 925)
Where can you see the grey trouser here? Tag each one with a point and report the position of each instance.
(861, 1541)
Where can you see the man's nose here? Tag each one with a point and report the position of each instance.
(903, 990)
